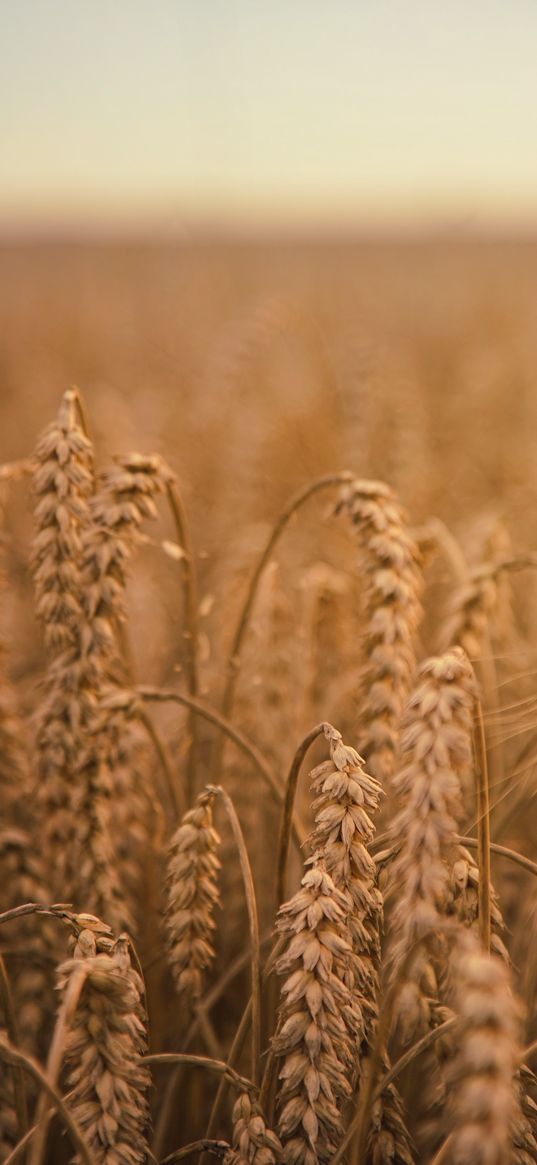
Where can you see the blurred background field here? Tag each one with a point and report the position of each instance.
(256, 365)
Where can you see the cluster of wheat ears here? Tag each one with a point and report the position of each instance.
(333, 981)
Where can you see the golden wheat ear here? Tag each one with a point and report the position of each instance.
(436, 757)
(107, 1078)
(482, 1106)
(391, 566)
(63, 484)
(346, 804)
(192, 895)
(312, 1043)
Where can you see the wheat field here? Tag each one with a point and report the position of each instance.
(268, 730)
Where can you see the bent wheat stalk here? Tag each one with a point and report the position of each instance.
(190, 604)
(235, 735)
(483, 829)
(287, 809)
(233, 663)
(249, 890)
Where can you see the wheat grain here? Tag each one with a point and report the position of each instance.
(252, 1142)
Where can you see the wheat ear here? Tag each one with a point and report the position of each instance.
(107, 1077)
(436, 753)
(393, 584)
(347, 799)
(63, 483)
(483, 1107)
(312, 1038)
(192, 895)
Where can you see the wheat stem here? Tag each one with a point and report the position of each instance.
(21, 1104)
(249, 890)
(502, 851)
(235, 735)
(483, 829)
(426, 1041)
(190, 603)
(174, 787)
(217, 1148)
(233, 1056)
(233, 663)
(29, 1065)
(55, 1056)
(211, 1065)
(287, 810)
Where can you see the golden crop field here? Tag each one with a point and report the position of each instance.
(268, 724)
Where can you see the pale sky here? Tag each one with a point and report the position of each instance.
(180, 113)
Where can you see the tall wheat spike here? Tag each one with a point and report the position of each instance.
(83, 541)
(63, 483)
(482, 1106)
(75, 785)
(116, 757)
(436, 753)
(346, 799)
(312, 1036)
(392, 612)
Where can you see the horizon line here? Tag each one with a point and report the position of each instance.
(203, 232)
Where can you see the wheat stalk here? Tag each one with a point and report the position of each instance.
(234, 659)
(266, 713)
